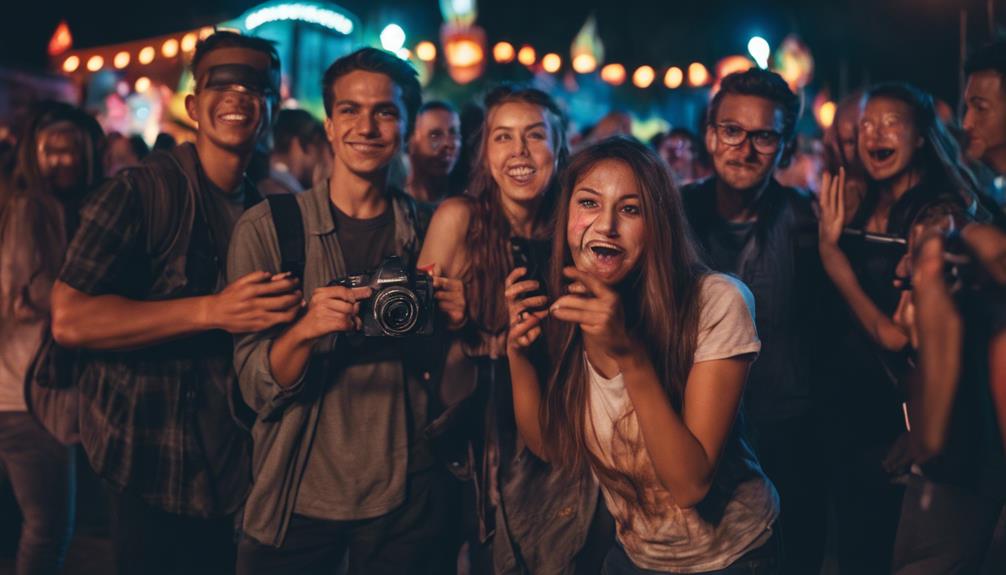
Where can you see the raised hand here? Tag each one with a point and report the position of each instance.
(255, 302)
(526, 314)
(597, 309)
(832, 200)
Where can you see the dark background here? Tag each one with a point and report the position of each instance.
(853, 41)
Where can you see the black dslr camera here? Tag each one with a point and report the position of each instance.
(401, 304)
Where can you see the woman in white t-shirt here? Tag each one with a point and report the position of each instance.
(648, 356)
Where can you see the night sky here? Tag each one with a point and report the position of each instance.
(914, 40)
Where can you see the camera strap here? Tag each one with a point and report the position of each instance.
(289, 223)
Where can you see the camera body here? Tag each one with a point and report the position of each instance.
(401, 304)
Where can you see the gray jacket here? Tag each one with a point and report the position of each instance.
(287, 418)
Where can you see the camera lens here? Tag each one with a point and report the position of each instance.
(397, 310)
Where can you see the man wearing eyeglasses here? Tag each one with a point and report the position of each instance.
(764, 233)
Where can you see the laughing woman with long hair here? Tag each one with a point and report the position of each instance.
(510, 201)
(648, 356)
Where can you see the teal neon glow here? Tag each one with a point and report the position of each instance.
(312, 13)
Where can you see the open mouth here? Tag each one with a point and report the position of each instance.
(521, 174)
(881, 154)
(606, 255)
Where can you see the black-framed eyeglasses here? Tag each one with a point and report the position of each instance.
(765, 141)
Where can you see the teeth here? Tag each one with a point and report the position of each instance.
(234, 117)
(520, 171)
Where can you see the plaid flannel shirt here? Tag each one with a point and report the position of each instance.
(157, 421)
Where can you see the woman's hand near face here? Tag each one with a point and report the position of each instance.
(832, 203)
(598, 311)
(526, 314)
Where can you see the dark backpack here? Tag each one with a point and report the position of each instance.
(50, 391)
(289, 223)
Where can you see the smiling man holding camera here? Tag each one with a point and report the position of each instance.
(340, 464)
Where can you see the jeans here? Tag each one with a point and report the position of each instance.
(148, 541)
(41, 472)
(411, 539)
(761, 561)
(944, 529)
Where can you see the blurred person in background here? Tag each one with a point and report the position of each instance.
(914, 173)
(434, 149)
(57, 161)
(681, 149)
(124, 152)
(984, 120)
(298, 145)
(841, 150)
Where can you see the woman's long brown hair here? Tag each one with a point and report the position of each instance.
(660, 298)
(25, 193)
(490, 229)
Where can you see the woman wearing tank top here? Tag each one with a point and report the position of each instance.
(509, 202)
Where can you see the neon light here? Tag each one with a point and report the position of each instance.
(392, 38)
(759, 49)
(310, 13)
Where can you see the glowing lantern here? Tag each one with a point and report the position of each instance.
(170, 48)
(674, 77)
(584, 64)
(613, 74)
(551, 63)
(464, 51)
(426, 51)
(94, 63)
(794, 62)
(503, 52)
(643, 76)
(121, 60)
(587, 50)
(142, 84)
(71, 64)
(698, 75)
(824, 110)
(527, 56)
(189, 42)
(146, 55)
(61, 40)
(732, 64)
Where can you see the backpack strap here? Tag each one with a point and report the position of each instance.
(289, 223)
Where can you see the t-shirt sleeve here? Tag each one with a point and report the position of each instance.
(726, 322)
(110, 224)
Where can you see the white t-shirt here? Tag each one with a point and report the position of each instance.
(738, 513)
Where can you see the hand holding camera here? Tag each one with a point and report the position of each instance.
(333, 309)
(394, 303)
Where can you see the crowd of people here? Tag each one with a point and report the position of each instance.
(416, 340)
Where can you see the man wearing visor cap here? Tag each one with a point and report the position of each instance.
(143, 293)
